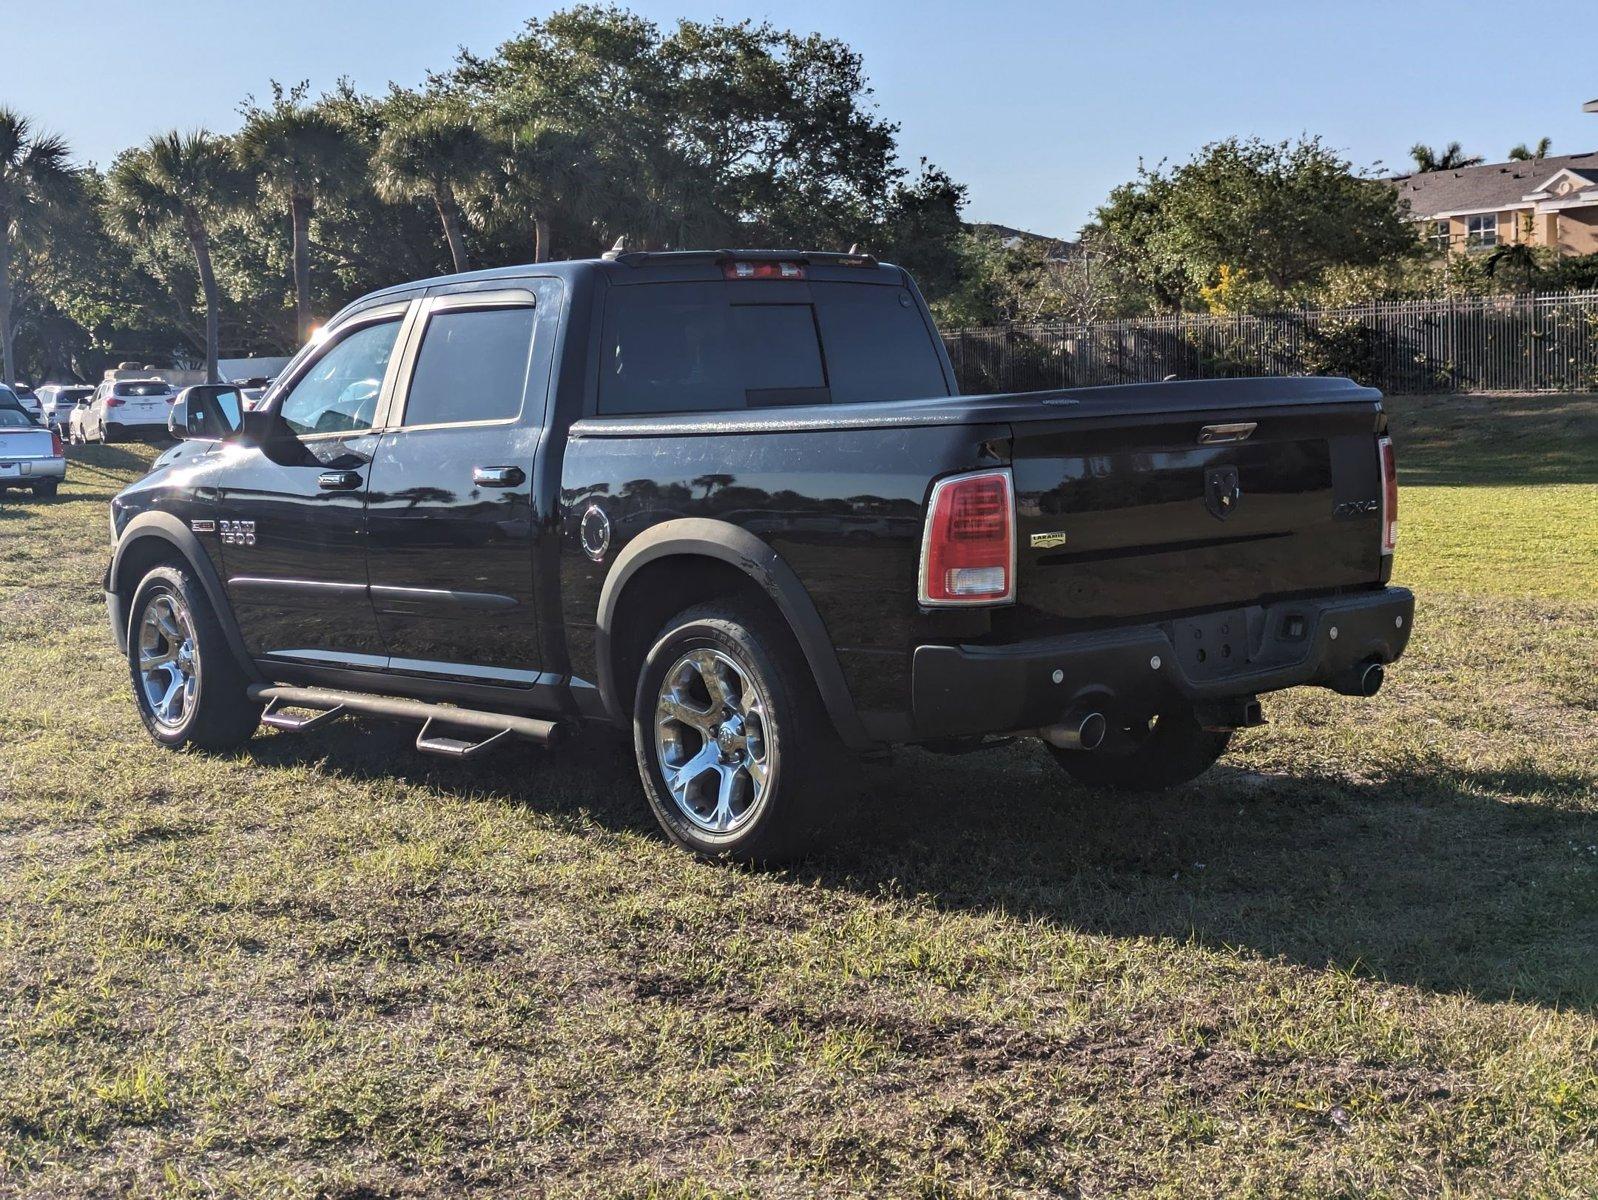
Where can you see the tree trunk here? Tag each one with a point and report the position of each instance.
(300, 216)
(201, 241)
(8, 349)
(540, 239)
(449, 214)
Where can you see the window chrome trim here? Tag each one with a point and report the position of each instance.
(393, 419)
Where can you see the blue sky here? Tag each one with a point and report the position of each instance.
(1039, 108)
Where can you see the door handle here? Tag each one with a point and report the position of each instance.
(338, 481)
(498, 477)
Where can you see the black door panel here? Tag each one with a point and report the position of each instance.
(291, 514)
(450, 515)
(294, 553)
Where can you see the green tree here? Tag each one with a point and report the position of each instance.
(1524, 153)
(1283, 213)
(300, 153)
(1514, 263)
(706, 133)
(34, 178)
(1452, 158)
(435, 152)
(184, 182)
(541, 173)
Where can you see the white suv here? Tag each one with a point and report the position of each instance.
(58, 400)
(124, 408)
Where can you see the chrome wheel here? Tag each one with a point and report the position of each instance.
(168, 663)
(710, 738)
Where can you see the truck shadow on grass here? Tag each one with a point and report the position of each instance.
(1444, 880)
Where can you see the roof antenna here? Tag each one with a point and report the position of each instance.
(617, 250)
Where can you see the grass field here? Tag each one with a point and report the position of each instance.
(1361, 957)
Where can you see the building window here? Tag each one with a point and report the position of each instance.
(1438, 236)
(1482, 231)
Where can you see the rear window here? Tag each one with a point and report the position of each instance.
(697, 347)
(15, 418)
(472, 366)
(147, 388)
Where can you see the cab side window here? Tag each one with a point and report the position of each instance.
(472, 366)
(338, 394)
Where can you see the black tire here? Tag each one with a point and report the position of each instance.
(47, 489)
(791, 737)
(217, 714)
(1172, 751)
(103, 439)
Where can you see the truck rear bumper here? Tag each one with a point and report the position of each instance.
(961, 691)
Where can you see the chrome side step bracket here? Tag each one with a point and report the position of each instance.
(456, 747)
(494, 728)
(274, 716)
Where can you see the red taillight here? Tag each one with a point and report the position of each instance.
(968, 547)
(114, 402)
(762, 270)
(57, 450)
(1384, 448)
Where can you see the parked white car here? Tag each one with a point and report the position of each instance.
(31, 456)
(58, 399)
(127, 408)
(77, 420)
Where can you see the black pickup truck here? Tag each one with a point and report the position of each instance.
(732, 501)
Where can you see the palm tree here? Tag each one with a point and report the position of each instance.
(1514, 259)
(539, 170)
(183, 181)
(1452, 158)
(436, 154)
(1522, 153)
(34, 177)
(299, 153)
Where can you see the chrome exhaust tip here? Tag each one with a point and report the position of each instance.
(1078, 731)
(1362, 679)
(1371, 679)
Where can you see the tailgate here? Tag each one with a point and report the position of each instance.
(1133, 514)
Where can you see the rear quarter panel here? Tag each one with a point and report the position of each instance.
(843, 508)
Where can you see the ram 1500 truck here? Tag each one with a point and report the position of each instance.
(733, 503)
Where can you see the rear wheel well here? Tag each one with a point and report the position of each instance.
(659, 591)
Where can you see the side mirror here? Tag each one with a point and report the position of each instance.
(206, 412)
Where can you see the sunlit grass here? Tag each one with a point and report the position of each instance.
(1362, 958)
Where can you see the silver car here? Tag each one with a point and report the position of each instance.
(31, 456)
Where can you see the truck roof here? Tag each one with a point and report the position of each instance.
(654, 267)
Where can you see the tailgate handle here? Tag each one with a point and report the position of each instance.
(1215, 435)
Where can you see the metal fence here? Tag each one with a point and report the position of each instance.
(1471, 344)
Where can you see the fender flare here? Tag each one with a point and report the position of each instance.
(738, 547)
(164, 527)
